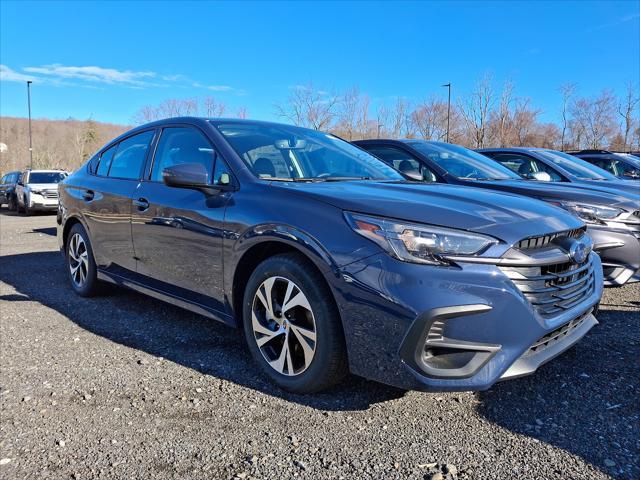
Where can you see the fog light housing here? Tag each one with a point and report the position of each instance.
(427, 349)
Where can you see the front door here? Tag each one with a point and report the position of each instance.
(178, 232)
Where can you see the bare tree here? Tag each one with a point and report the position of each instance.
(503, 118)
(309, 107)
(475, 109)
(523, 122)
(594, 119)
(429, 119)
(567, 90)
(242, 112)
(348, 113)
(399, 118)
(626, 109)
(213, 108)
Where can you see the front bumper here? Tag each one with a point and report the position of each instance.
(40, 202)
(485, 329)
(619, 249)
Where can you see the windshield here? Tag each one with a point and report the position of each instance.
(575, 166)
(288, 153)
(464, 163)
(46, 177)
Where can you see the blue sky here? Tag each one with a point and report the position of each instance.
(106, 60)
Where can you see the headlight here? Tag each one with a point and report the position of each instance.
(590, 213)
(418, 243)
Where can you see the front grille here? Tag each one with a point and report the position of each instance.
(544, 240)
(50, 193)
(555, 336)
(554, 288)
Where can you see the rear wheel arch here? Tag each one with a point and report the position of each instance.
(68, 225)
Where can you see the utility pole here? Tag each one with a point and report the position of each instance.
(29, 82)
(448, 85)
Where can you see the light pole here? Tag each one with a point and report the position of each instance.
(448, 85)
(29, 82)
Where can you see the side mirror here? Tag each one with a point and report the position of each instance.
(186, 175)
(541, 176)
(20, 183)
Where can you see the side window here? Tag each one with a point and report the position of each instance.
(219, 169)
(129, 158)
(402, 161)
(180, 145)
(105, 161)
(4, 179)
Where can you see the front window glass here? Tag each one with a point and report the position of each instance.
(462, 162)
(182, 145)
(128, 160)
(288, 153)
(401, 161)
(575, 166)
(46, 177)
(525, 166)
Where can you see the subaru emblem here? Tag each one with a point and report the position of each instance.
(579, 251)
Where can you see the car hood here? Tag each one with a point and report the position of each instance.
(42, 186)
(564, 192)
(508, 217)
(624, 187)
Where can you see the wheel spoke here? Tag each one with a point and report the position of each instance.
(307, 349)
(258, 327)
(298, 301)
(266, 298)
(279, 363)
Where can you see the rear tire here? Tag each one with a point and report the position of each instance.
(11, 203)
(292, 325)
(81, 266)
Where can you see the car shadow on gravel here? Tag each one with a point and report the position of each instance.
(162, 330)
(586, 402)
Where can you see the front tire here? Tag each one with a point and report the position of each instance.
(81, 266)
(292, 325)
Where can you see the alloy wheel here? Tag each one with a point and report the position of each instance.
(78, 260)
(284, 326)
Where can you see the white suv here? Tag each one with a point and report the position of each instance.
(38, 190)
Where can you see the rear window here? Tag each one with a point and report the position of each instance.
(130, 156)
(105, 161)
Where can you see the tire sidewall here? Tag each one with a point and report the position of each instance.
(89, 286)
(322, 313)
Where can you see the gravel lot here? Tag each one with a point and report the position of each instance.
(124, 386)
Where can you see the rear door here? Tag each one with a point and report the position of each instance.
(107, 201)
(178, 232)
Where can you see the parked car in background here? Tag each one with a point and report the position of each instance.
(612, 218)
(38, 190)
(561, 167)
(621, 165)
(8, 185)
(328, 258)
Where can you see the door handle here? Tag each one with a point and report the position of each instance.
(142, 204)
(88, 195)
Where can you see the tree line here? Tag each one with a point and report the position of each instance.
(488, 115)
(485, 116)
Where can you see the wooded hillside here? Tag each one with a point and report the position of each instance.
(56, 143)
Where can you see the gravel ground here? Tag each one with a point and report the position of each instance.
(123, 386)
